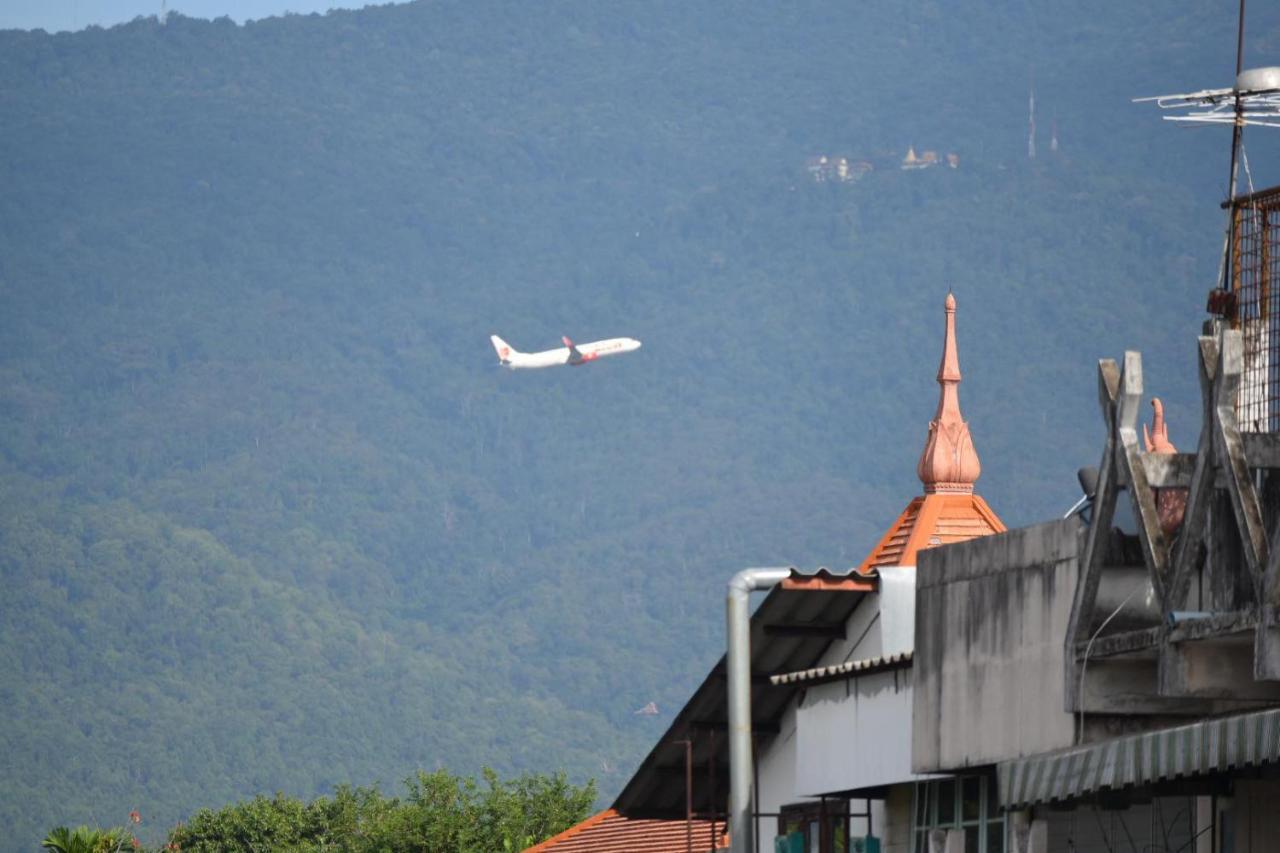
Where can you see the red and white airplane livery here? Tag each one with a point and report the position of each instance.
(570, 353)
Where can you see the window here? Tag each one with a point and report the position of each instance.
(823, 826)
(966, 804)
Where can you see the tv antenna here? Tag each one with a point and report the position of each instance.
(1253, 100)
(1243, 294)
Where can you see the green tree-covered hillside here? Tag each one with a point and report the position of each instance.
(271, 518)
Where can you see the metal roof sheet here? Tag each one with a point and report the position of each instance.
(790, 630)
(1195, 749)
(848, 669)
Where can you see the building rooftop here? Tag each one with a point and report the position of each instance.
(790, 630)
(929, 520)
(610, 832)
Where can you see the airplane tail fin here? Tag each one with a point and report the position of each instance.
(504, 349)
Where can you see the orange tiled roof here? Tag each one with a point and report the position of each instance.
(935, 519)
(610, 832)
(825, 579)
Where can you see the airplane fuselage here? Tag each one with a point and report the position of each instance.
(572, 354)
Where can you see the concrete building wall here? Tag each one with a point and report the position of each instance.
(854, 733)
(991, 622)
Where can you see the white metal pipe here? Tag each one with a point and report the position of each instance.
(738, 613)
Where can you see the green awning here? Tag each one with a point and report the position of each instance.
(1196, 749)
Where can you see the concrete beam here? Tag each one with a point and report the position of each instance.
(1187, 551)
(1229, 448)
(1176, 470)
(1128, 686)
(1096, 539)
(1169, 470)
(1213, 669)
(1121, 643)
(1155, 548)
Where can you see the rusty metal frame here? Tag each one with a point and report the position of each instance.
(1255, 312)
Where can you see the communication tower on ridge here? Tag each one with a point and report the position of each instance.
(1031, 125)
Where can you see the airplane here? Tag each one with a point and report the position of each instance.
(571, 353)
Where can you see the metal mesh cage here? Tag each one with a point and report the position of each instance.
(1255, 272)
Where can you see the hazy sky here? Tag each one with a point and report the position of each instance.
(54, 15)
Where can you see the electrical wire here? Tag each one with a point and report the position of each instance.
(1085, 662)
(1244, 158)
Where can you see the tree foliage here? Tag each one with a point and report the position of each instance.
(441, 812)
(84, 839)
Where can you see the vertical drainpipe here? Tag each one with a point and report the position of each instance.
(738, 612)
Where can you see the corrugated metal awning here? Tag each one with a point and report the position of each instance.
(1196, 749)
(848, 669)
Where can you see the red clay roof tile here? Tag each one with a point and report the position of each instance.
(610, 832)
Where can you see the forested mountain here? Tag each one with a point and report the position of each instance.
(270, 517)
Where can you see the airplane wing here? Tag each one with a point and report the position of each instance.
(574, 353)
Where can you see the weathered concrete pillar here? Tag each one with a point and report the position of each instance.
(1026, 834)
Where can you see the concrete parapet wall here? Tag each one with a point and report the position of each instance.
(1041, 544)
(991, 621)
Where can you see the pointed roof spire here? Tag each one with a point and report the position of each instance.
(949, 462)
(948, 511)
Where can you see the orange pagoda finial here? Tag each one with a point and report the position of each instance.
(1171, 501)
(1157, 438)
(949, 462)
(948, 511)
